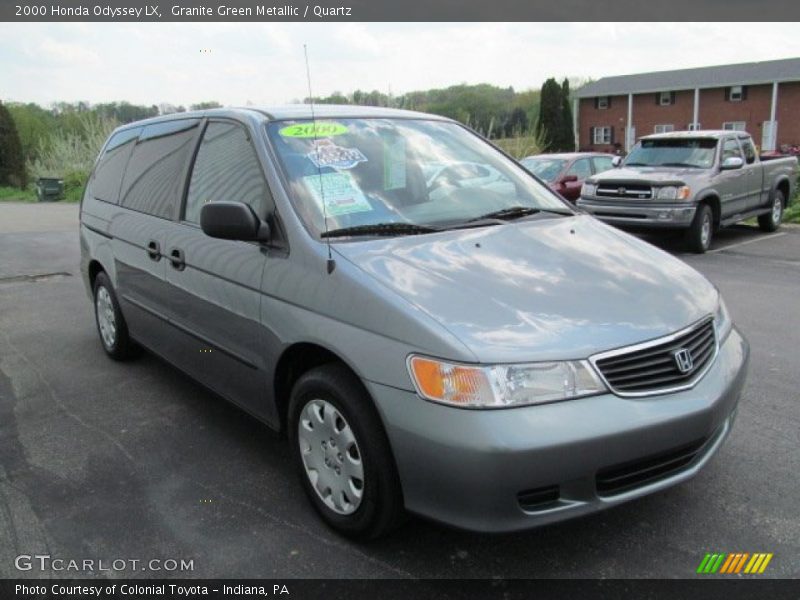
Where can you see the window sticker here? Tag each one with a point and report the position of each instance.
(341, 194)
(328, 154)
(394, 165)
(318, 129)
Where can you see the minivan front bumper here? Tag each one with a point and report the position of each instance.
(511, 469)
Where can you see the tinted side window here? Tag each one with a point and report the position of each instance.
(107, 177)
(157, 168)
(730, 148)
(601, 163)
(580, 168)
(749, 151)
(226, 169)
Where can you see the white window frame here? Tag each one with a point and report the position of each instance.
(736, 94)
(693, 127)
(664, 98)
(735, 126)
(664, 128)
(602, 102)
(605, 135)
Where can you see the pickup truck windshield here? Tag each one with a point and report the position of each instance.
(363, 173)
(673, 152)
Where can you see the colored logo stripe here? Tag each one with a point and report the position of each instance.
(734, 562)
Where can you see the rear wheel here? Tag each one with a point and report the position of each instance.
(772, 220)
(110, 323)
(698, 236)
(342, 454)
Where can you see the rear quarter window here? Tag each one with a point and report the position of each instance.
(105, 182)
(157, 169)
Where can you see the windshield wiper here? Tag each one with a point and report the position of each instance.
(516, 212)
(637, 164)
(380, 229)
(679, 164)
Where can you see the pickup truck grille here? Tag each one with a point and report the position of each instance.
(676, 362)
(629, 191)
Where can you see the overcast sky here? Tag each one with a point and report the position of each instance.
(262, 63)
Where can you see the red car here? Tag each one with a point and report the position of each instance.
(565, 173)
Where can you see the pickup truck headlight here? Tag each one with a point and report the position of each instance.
(588, 189)
(722, 321)
(500, 386)
(671, 192)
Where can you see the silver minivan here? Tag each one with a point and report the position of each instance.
(435, 330)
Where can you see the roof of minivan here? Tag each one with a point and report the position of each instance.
(296, 111)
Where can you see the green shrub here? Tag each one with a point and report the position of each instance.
(12, 159)
(74, 182)
(14, 194)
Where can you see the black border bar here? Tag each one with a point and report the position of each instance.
(401, 10)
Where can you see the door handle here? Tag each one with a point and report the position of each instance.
(177, 258)
(154, 250)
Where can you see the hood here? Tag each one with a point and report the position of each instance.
(546, 289)
(662, 175)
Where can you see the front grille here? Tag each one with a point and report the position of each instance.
(623, 477)
(628, 191)
(654, 367)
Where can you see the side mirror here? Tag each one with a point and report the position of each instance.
(568, 179)
(616, 161)
(732, 162)
(232, 221)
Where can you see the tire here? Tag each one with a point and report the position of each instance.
(111, 326)
(772, 220)
(699, 234)
(329, 404)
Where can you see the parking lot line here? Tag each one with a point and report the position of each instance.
(760, 239)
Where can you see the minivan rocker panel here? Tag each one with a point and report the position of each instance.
(473, 350)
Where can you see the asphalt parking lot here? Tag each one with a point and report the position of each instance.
(106, 460)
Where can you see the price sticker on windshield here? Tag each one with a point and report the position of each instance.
(318, 129)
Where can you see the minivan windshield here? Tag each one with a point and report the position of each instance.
(401, 176)
(673, 152)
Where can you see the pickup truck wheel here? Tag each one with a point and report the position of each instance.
(342, 453)
(698, 236)
(772, 220)
(110, 323)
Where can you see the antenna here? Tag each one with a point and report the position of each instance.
(331, 264)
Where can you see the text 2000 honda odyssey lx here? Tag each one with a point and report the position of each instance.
(435, 330)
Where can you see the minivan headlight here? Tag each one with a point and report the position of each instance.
(722, 321)
(499, 386)
(588, 189)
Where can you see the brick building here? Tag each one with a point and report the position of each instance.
(762, 98)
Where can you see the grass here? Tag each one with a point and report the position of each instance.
(792, 214)
(12, 194)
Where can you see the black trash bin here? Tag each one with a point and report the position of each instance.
(49, 189)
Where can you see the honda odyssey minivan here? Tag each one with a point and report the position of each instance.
(471, 349)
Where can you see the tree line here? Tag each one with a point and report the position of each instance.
(63, 139)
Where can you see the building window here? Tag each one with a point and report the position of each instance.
(694, 127)
(665, 98)
(736, 93)
(666, 128)
(602, 135)
(734, 126)
(602, 102)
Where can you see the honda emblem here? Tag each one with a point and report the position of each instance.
(683, 360)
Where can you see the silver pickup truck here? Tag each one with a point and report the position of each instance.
(693, 180)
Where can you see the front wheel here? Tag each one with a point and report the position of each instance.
(772, 220)
(698, 236)
(342, 454)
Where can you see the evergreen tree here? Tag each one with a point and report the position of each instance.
(549, 127)
(12, 160)
(567, 125)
